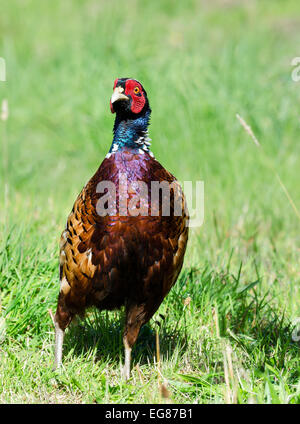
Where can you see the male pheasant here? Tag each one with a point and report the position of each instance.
(123, 245)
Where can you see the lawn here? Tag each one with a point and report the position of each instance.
(227, 329)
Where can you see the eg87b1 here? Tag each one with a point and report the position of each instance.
(180, 413)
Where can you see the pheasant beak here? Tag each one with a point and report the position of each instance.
(118, 95)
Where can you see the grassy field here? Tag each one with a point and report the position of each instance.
(227, 332)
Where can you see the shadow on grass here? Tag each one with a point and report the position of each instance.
(247, 317)
(103, 331)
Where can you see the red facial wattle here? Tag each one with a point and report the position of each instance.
(111, 107)
(138, 99)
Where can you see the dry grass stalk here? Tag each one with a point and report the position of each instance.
(231, 375)
(288, 196)
(251, 133)
(158, 362)
(52, 316)
(248, 129)
(230, 380)
(227, 394)
(158, 355)
(139, 373)
(216, 317)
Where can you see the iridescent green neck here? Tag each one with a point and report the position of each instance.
(131, 133)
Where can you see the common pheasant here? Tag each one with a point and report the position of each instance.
(125, 239)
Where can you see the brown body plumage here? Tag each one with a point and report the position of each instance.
(114, 261)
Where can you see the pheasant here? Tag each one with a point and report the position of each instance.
(113, 255)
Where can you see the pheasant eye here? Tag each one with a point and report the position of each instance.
(136, 90)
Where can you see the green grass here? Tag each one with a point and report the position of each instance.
(201, 63)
